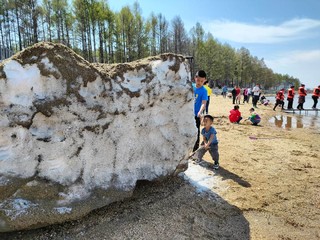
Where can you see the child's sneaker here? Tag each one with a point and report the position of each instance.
(216, 166)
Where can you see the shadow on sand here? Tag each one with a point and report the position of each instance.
(225, 174)
(170, 209)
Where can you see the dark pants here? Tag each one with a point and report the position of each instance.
(248, 98)
(315, 101)
(234, 99)
(198, 122)
(213, 150)
(207, 106)
(224, 94)
(301, 102)
(278, 102)
(255, 100)
(290, 102)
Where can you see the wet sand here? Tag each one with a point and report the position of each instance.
(268, 187)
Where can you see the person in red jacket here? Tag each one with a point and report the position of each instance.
(315, 96)
(238, 95)
(235, 115)
(280, 98)
(290, 97)
(302, 97)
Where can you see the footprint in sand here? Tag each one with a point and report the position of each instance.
(296, 152)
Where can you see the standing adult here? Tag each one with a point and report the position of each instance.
(224, 91)
(315, 96)
(238, 95)
(302, 97)
(209, 91)
(290, 97)
(245, 95)
(280, 98)
(256, 94)
(200, 101)
(249, 92)
(234, 94)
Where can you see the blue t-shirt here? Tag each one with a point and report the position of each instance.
(207, 135)
(200, 94)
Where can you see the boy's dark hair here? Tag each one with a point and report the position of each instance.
(201, 74)
(208, 116)
(236, 107)
(206, 82)
(251, 109)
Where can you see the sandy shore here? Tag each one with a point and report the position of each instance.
(268, 187)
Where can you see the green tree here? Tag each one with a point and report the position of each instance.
(163, 33)
(179, 36)
(152, 24)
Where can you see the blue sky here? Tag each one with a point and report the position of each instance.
(286, 33)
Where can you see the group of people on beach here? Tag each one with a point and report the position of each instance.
(202, 94)
(255, 93)
(235, 116)
(280, 96)
(301, 100)
(209, 134)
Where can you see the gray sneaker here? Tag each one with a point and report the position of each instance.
(216, 166)
(198, 161)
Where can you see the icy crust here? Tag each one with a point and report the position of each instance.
(80, 138)
(24, 84)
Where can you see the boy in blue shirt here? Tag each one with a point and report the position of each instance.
(200, 101)
(210, 141)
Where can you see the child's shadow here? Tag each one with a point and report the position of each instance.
(225, 174)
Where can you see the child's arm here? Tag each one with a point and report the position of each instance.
(207, 143)
(202, 108)
(204, 140)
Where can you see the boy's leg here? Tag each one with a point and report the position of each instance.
(256, 122)
(200, 154)
(214, 154)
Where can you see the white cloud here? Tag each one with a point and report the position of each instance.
(263, 33)
(296, 57)
(301, 64)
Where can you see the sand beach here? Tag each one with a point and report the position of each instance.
(267, 187)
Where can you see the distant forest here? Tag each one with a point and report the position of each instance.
(98, 34)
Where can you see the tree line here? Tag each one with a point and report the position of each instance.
(99, 34)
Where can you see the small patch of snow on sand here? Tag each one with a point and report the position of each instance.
(63, 210)
(205, 180)
(16, 207)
